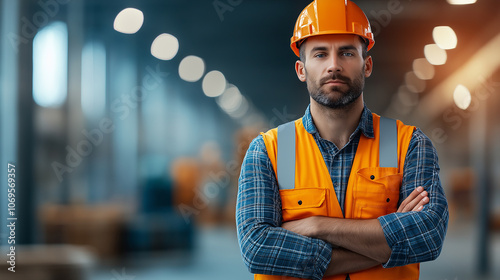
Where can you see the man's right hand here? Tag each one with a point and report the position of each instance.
(415, 201)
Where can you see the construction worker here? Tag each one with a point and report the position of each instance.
(340, 193)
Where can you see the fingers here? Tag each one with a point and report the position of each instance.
(414, 194)
(421, 204)
(415, 201)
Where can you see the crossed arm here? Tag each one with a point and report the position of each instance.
(268, 248)
(358, 244)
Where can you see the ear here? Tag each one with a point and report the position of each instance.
(300, 70)
(368, 66)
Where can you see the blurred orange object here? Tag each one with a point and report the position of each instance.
(186, 175)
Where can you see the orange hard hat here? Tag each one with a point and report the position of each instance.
(323, 17)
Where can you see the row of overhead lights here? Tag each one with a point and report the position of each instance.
(424, 68)
(191, 68)
(229, 98)
(435, 54)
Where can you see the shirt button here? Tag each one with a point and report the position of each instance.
(300, 202)
(388, 199)
(372, 177)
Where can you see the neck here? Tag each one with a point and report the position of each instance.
(337, 125)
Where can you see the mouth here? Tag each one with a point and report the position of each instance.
(335, 82)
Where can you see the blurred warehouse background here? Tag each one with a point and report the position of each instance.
(126, 127)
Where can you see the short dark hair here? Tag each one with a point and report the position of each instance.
(364, 47)
(302, 49)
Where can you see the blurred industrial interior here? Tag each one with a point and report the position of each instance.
(127, 128)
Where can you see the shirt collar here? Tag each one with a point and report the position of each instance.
(365, 124)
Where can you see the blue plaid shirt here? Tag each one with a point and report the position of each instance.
(269, 249)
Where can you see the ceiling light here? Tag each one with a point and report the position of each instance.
(435, 55)
(191, 68)
(230, 101)
(129, 21)
(423, 69)
(165, 47)
(214, 84)
(461, 2)
(462, 97)
(445, 37)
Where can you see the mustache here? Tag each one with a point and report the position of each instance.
(335, 76)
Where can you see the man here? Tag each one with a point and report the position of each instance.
(340, 193)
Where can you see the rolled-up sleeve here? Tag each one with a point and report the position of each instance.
(267, 248)
(418, 236)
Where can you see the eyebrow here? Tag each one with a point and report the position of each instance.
(342, 48)
(319, 48)
(348, 47)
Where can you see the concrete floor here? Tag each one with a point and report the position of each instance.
(217, 257)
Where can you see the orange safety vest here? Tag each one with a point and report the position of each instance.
(372, 190)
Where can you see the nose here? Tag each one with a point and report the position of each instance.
(334, 64)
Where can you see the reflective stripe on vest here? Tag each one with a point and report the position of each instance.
(286, 156)
(388, 145)
(286, 150)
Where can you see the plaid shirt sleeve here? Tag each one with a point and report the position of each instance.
(418, 236)
(267, 248)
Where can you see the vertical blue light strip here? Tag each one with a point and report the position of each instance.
(123, 112)
(93, 80)
(50, 65)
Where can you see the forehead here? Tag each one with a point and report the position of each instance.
(334, 41)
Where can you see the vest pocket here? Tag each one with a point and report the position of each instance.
(302, 203)
(376, 192)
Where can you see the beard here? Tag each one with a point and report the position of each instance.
(335, 97)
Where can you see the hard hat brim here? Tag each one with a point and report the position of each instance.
(296, 42)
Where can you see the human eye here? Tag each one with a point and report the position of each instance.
(320, 55)
(348, 54)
